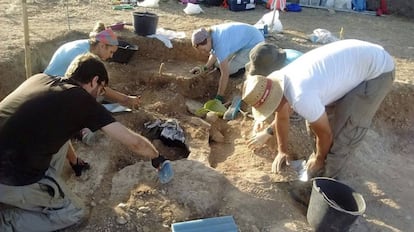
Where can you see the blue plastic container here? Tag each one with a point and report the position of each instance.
(217, 224)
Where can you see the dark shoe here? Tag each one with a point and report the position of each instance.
(80, 166)
(240, 72)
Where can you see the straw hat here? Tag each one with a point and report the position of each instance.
(263, 94)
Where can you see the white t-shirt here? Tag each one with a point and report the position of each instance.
(325, 74)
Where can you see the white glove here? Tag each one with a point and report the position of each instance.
(259, 139)
(258, 126)
(280, 159)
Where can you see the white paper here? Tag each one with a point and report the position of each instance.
(116, 107)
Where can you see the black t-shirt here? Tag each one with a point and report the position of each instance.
(37, 119)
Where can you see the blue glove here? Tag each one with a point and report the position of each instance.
(220, 98)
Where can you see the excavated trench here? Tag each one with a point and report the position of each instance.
(158, 74)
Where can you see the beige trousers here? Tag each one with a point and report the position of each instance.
(47, 205)
(351, 119)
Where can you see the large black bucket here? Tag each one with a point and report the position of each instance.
(333, 206)
(145, 23)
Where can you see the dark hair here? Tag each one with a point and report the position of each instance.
(85, 67)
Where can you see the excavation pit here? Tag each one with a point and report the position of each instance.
(214, 178)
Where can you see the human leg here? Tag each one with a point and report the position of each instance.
(19, 220)
(46, 205)
(352, 118)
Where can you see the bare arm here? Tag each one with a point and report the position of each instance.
(123, 99)
(70, 155)
(135, 142)
(211, 60)
(281, 127)
(282, 131)
(324, 138)
(224, 77)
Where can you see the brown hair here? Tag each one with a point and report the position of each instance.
(99, 26)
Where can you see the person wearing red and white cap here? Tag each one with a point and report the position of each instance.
(351, 77)
(102, 42)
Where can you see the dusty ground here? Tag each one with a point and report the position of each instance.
(217, 178)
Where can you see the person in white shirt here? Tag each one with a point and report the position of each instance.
(351, 77)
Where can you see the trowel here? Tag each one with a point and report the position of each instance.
(300, 168)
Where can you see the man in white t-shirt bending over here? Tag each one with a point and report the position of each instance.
(351, 77)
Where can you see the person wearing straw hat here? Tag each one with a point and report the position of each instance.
(264, 59)
(351, 77)
(36, 122)
(103, 43)
(228, 46)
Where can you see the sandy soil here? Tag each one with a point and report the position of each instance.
(226, 178)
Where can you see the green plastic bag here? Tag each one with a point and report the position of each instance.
(213, 105)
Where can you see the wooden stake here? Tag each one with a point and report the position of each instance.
(161, 69)
(27, 55)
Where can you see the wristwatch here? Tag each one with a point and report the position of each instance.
(269, 131)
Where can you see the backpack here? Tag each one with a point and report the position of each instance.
(213, 2)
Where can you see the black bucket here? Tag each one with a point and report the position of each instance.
(333, 206)
(145, 23)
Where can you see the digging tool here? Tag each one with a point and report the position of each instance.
(274, 14)
(233, 109)
(246, 114)
(204, 74)
(300, 168)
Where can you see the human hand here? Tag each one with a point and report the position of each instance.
(314, 165)
(198, 70)
(258, 139)
(132, 102)
(279, 160)
(258, 126)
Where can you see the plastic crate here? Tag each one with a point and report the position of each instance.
(310, 2)
(217, 224)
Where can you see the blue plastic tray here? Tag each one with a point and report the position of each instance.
(217, 224)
